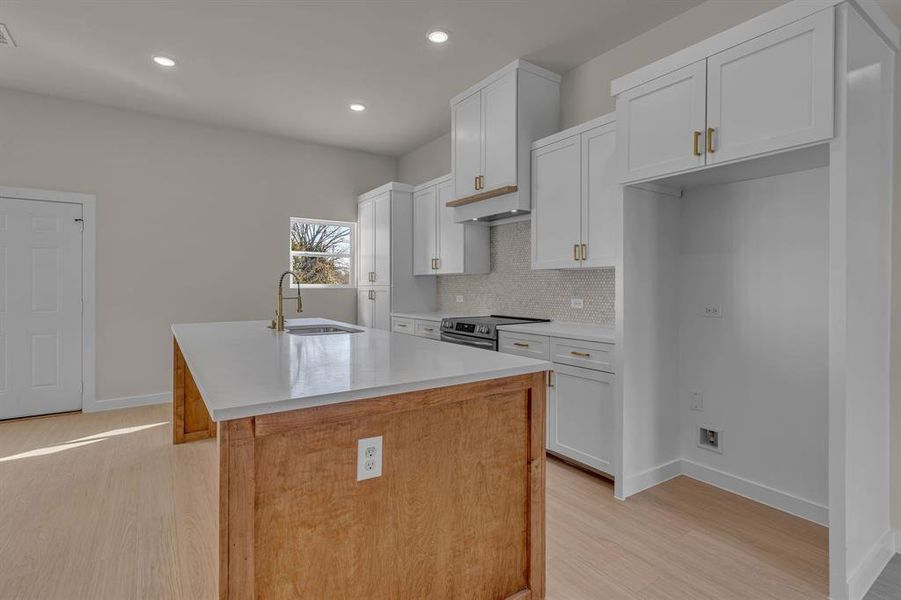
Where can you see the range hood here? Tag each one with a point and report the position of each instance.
(490, 205)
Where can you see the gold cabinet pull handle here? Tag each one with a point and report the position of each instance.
(575, 251)
(437, 263)
(475, 184)
(695, 143)
(404, 325)
(429, 329)
(521, 344)
(581, 354)
(583, 252)
(371, 295)
(710, 147)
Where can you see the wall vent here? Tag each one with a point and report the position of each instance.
(6, 39)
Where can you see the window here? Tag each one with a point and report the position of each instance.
(322, 252)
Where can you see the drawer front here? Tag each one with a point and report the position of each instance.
(524, 344)
(428, 329)
(590, 355)
(402, 325)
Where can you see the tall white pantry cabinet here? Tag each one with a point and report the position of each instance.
(754, 295)
(385, 281)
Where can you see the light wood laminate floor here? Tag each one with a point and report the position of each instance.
(103, 506)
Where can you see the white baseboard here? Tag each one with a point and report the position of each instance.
(758, 492)
(127, 402)
(860, 582)
(897, 542)
(651, 477)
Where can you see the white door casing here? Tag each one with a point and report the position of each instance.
(41, 337)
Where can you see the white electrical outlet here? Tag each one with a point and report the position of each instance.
(697, 400)
(459, 299)
(576, 303)
(369, 458)
(712, 310)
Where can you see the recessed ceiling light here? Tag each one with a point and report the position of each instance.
(513, 211)
(475, 219)
(163, 61)
(357, 107)
(437, 36)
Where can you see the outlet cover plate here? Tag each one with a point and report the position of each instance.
(713, 311)
(369, 458)
(576, 303)
(697, 400)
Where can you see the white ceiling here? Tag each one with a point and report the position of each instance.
(291, 68)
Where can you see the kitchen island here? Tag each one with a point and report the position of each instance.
(458, 510)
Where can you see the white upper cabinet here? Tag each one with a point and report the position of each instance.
(577, 198)
(425, 233)
(382, 253)
(466, 126)
(366, 223)
(661, 124)
(746, 97)
(602, 198)
(441, 246)
(493, 126)
(557, 205)
(773, 92)
(499, 133)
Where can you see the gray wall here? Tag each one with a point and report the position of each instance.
(427, 162)
(192, 221)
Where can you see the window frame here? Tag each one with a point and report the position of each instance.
(351, 256)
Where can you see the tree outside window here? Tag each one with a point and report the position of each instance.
(322, 252)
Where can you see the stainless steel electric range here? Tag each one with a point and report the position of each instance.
(478, 332)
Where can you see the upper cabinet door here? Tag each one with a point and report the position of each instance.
(382, 226)
(772, 92)
(466, 121)
(499, 133)
(425, 239)
(662, 123)
(602, 198)
(366, 218)
(556, 205)
(450, 234)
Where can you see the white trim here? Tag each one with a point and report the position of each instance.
(517, 64)
(88, 278)
(351, 256)
(651, 477)
(865, 575)
(760, 25)
(773, 498)
(129, 402)
(576, 130)
(391, 186)
(433, 182)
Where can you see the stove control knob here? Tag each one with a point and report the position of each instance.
(483, 329)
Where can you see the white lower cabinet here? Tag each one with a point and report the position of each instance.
(374, 307)
(581, 416)
(581, 424)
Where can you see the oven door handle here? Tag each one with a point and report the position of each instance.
(466, 340)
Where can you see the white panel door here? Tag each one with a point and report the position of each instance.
(365, 313)
(602, 198)
(556, 205)
(773, 92)
(499, 133)
(451, 235)
(661, 124)
(581, 416)
(466, 138)
(40, 307)
(382, 253)
(425, 230)
(366, 219)
(381, 311)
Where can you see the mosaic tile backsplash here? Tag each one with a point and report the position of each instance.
(513, 288)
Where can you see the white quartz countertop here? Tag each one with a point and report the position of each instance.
(244, 369)
(565, 329)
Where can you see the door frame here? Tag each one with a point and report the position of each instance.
(88, 204)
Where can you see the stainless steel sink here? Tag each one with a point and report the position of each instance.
(320, 330)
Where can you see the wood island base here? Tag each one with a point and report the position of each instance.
(458, 511)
